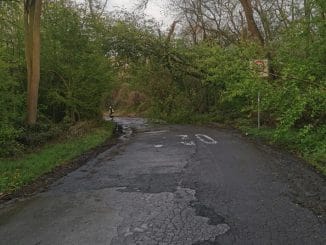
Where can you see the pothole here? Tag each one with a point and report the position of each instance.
(204, 211)
(166, 218)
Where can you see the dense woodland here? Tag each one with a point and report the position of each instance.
(198, 70)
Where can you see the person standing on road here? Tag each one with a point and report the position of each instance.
(111, 111)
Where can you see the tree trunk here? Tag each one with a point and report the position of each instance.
(252, 26)
(307, 13)
(200, 19)
(32, 14)
(171, 32)
(90, 4)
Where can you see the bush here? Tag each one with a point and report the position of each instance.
(10, 109)
(8, 144)
(76, 72)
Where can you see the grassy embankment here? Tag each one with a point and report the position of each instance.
(15, 173)
(312, 150)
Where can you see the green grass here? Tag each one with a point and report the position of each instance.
(312, 148)
(15, 173)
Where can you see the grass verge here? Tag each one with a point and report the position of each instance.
(15, 173)
(312, 150)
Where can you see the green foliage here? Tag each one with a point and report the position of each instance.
(129, 43)
(39, 134)
(76, 73)
(15, 173)
(76, 76)
(11, 103)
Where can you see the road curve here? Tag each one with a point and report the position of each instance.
(171, 185)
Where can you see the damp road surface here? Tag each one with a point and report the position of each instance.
(171, 185)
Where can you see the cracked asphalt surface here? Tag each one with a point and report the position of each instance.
(182, 185)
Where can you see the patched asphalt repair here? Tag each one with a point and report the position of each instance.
(176, 185)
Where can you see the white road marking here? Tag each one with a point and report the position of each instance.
(183, 136)
(190, 143)
(186, 140)
(206, 139)
(156, 132)
(158, 146)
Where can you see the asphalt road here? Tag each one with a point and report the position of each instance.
(176, 185)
